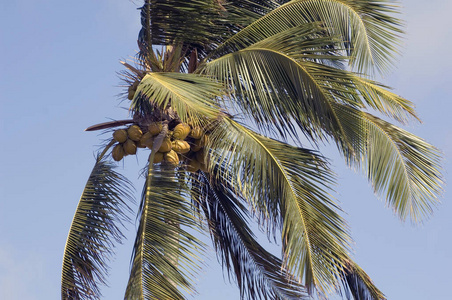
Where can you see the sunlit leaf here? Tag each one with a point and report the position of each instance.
(191, 96)
(166, 255)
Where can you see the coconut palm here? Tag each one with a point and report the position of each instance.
(225, 96)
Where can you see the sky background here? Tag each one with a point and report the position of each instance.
(58, 64)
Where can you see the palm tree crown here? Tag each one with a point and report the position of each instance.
(222, 94)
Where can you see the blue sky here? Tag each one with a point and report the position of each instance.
(58, 64)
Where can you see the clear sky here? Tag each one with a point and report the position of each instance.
(57, 77)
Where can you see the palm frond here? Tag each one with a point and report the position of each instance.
(258, 273)
(368, 31)
(165, 255)
(241, 13)
(277, 91)
(286, 84)
(179, 21)
(351, 88)
(357, 285)
(191, 96)
(94, 232)
(287, 185)
(378, 97)
(399, 164)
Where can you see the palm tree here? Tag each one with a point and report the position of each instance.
(224, 97)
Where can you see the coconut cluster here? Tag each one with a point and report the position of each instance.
(182, 144)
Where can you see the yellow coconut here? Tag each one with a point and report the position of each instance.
(134, 132)
(146, 140)
(201, 156)
(196, 146)
(140, 144)
(155, 128)
(130, 93)
(199, 143)
(134, 86)
(180, 146)
(130, 147)
(118, 152)
(120, 135)
(196, 133)
(193, 165)
(158, 157)
(166, 145)
(181, 131)
(172, 157)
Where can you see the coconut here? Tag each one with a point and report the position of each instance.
(193, 165)
(158, 157)
(201, 156)
(180, 146)
(135, 84)
(134, 132)
(196, 146)
(140, 144)
(130, 147)
(155, 128)
(196, 133)
(181, 131)
(200, 143)
(118, 152)
(146, 140)
(166, 145)
(172, 157)
(120, 135)
(130, 93)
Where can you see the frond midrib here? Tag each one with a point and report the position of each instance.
(388, 93)
(306, 72)
(292, 192)
(362, 24)
(293, 2)
(401, 158)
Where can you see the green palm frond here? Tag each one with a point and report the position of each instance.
(258, 273)
(280, 80)
(403, 166)
(307, 41)
(165, 255)
(368, 31)
(288, 184)
(94, 231)
(378, 97)
(192, 96)
(277, 91)
(350, 88)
